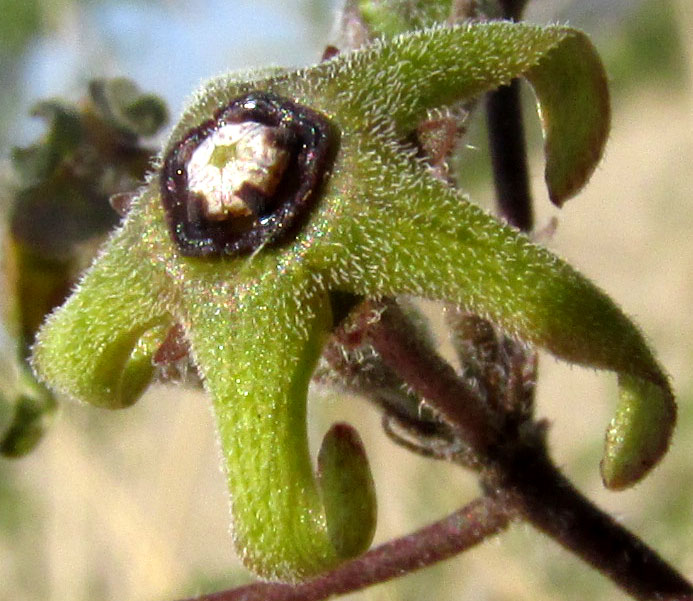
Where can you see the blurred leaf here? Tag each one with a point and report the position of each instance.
(389, 18)
(121, 103)
(26, 406)
(20, 20)
(58, 213)
(32, 417)
(60, 205)
(35, 163)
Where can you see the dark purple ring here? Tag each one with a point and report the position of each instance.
(312, 143)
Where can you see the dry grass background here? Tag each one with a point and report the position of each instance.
(131, 506)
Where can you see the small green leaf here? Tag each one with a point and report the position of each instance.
(573, 98)
(34, 408)
(348, 491)
(26, 407)
(389, 18)
(382, 19)
(36, 163)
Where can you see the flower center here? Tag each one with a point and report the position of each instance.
(235, 163)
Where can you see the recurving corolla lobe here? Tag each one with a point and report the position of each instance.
(247, 177)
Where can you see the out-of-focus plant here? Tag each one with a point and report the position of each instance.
(57, 214)
(277, 233)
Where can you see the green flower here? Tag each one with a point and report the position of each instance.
(380, 225)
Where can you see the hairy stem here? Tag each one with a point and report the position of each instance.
(463, 529)
(432, 378)
(538, 492)
(521, 471)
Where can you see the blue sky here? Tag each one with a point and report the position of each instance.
(167, 46)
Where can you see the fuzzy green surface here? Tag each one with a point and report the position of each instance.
(633, 441)
(84, 349)
(256, 347)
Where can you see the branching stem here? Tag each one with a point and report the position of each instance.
(432, 378)
(520, 479)
(519, 470)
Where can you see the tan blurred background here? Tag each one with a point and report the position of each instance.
(132, 506)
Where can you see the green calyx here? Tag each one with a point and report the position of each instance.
(382, 225)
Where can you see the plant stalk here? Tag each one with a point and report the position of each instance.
(461, 530)
(543, 496)
(509, 155)
(520, 470)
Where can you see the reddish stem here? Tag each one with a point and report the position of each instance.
(432, 378)
(463, 529)
(518, 469)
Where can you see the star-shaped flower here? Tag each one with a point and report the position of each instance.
(371, 220)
